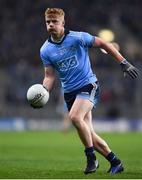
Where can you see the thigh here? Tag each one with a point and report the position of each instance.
(81, 107)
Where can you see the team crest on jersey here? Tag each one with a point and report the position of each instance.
(63, 51)
(68, 63)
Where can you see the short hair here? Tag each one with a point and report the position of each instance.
(54, 12)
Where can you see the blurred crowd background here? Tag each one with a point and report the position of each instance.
(23, 31)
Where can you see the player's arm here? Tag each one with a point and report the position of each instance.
(49, 77)
(127, 68)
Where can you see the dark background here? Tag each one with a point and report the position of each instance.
(23, 31)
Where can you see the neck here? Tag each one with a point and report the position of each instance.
(57, 37)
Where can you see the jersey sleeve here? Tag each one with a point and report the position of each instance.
(44, 58)
(87, 39)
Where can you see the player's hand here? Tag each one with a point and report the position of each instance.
(129, 69)
(34, 107)
(45, 88)
(37, 96)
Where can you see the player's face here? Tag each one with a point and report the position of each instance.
(54, 25)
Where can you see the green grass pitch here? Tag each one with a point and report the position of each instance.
(52, 155)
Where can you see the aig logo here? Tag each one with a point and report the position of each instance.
(68, 63)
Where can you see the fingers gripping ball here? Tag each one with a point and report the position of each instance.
(37, 96)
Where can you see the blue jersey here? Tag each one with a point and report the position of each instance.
(70, 59)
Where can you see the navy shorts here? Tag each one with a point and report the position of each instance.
(90, 92)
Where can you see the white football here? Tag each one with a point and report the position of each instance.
(37, 95)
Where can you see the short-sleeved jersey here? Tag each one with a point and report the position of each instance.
(70, 59)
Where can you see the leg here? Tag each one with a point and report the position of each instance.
(99, 144)
(77, 113)
(65, 122)
(102, 147)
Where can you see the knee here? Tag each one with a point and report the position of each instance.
(75, 119)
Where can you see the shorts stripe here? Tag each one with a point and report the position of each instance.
(90, 92)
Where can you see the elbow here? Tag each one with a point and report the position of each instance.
(100, 43)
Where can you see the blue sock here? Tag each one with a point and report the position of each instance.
(112, 158)
(90, 153)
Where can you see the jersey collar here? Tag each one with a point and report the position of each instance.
(50, 40)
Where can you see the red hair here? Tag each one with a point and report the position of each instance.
(54, 12)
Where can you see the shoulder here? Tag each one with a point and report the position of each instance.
(44, 47)
(83, 38)
(76, 34)
(80, 35)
